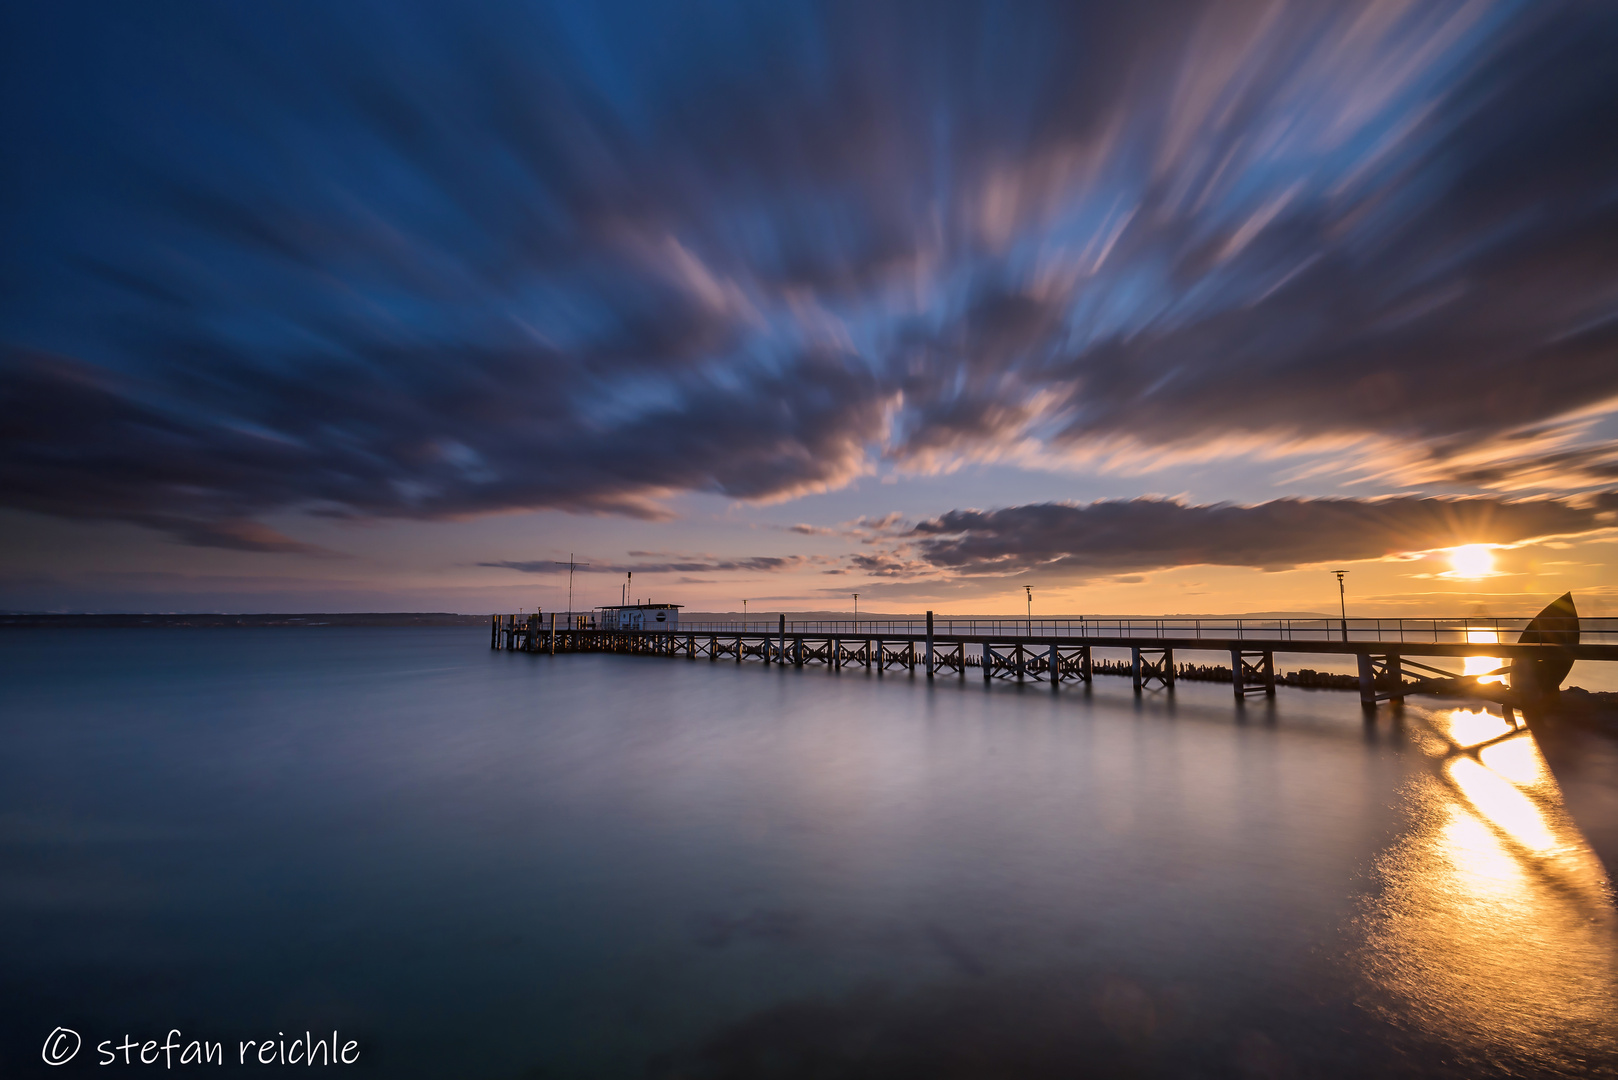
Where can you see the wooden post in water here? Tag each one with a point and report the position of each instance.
(1236, 674)
(986, 675)
(553, 633)
(929, 644)
(1134, 652)
(1367, 682)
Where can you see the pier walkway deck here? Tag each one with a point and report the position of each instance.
(1059, 651)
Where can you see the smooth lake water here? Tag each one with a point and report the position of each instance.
(480, 864)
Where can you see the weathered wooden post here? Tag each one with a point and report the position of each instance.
(1053, 667)
(1236, 674)
(986, 651)
(1168, 669)
(781, 652)
(1396, 678)
(1367, 682)
(1134, 651)
(929, 644)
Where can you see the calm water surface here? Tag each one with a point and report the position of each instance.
(485, 864)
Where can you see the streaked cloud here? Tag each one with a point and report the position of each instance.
(1064, 540)
(361, 262)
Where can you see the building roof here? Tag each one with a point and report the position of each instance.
(641, 607)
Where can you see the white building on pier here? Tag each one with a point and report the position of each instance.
(640, 617)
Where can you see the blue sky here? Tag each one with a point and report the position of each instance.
(392, 306)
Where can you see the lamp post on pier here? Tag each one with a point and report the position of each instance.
(856, 612)
(1342, 602)
(1030, 591)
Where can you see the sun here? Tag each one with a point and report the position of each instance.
(1472, 560)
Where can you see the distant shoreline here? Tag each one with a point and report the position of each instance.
(215, 621)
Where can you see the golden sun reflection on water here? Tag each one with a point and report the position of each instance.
(1501, 804)
(1468, 727)
(1518, 760)
(1495, 926)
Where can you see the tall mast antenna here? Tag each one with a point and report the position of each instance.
(571, 566)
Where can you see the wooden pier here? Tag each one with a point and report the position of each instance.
(1061, 651)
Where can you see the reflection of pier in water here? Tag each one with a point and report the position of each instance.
(1061, 651)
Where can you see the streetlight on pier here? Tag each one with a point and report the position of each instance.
(1030, 591)
(1342, 602)
(856, 611)
(744, 614)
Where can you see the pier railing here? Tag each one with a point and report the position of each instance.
(1436, 631)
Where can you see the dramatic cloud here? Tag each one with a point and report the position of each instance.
(768, 564)
(1105, 538)
(390, 261)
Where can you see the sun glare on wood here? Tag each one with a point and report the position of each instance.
(1472, 560)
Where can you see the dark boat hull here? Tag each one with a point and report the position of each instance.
(1558, 624)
